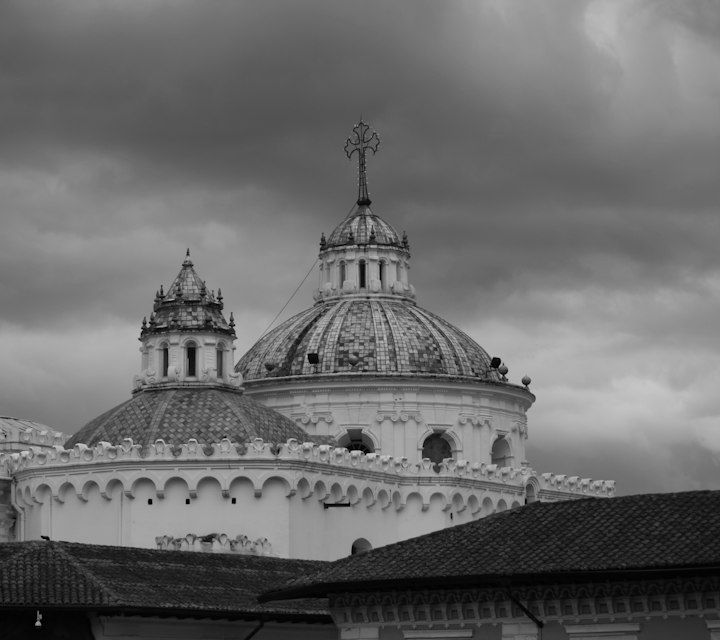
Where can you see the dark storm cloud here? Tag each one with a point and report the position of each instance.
(555, 165)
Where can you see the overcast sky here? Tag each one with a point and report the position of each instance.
(554, 163)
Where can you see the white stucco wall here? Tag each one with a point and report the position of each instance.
(398, 415)
(113, 495)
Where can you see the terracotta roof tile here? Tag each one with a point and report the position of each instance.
(643, 532)
(72, 575)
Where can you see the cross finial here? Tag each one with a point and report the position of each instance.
(363, 138)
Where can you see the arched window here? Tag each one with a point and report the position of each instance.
(362, 266)
(164, 359)
(190, 360)
(343, 274)
(398, 272)
(383, 274)
(356, 440)
(436, 448)
(219, 364)
(530, 493)
(360, 546)
(500, 454)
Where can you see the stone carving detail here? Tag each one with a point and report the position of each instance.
(520, 425)
(475, 419)
(147, 377)
(216, 543)
(397, 415)
(307, 415)
(236, 379)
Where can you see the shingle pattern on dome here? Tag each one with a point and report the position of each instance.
(188, 306)
(389, 337)
(362, 226)
(71, 575)
(178, 414)
(632, 533)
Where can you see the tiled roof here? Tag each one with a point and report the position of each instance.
(540, 541)
(388, 335)
(362, 226)
(188, 306)
(130, 580)
(178, 414)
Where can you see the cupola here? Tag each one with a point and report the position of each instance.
(364, 255)
(187, 339)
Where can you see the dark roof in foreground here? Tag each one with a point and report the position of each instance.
(69, 575)
(177, 414)
(541, 541)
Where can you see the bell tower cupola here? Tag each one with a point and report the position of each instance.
(364, 255)
(187, 340)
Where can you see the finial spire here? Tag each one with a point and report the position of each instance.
(363, 138)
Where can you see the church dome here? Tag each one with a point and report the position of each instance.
(366, 335)
(176, 415)
(362, 227)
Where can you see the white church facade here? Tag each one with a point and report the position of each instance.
(359, 422)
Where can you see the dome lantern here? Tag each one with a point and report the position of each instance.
(187, 341)
(364, 255)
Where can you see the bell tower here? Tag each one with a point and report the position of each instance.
(187, 340)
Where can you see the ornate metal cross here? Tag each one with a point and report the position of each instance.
(363, 138)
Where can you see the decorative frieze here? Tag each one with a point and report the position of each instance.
(216, 543)
(367, 470)
(608, 605)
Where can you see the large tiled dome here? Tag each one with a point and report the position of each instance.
(176, 415)
(366, 335)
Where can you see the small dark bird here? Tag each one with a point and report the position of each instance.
(45, 537)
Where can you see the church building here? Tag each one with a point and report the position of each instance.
(359, 422)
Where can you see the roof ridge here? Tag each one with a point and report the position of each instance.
(235, 411)
(159, 412)
(112, 596)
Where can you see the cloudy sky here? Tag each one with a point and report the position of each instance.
(554, 163)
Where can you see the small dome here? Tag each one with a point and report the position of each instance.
(362, 226)
(188, 306)
(378, 335)
(176, 415)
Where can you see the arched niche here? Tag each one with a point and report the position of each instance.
(501, 454)
(357, 439)
(436, 447)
